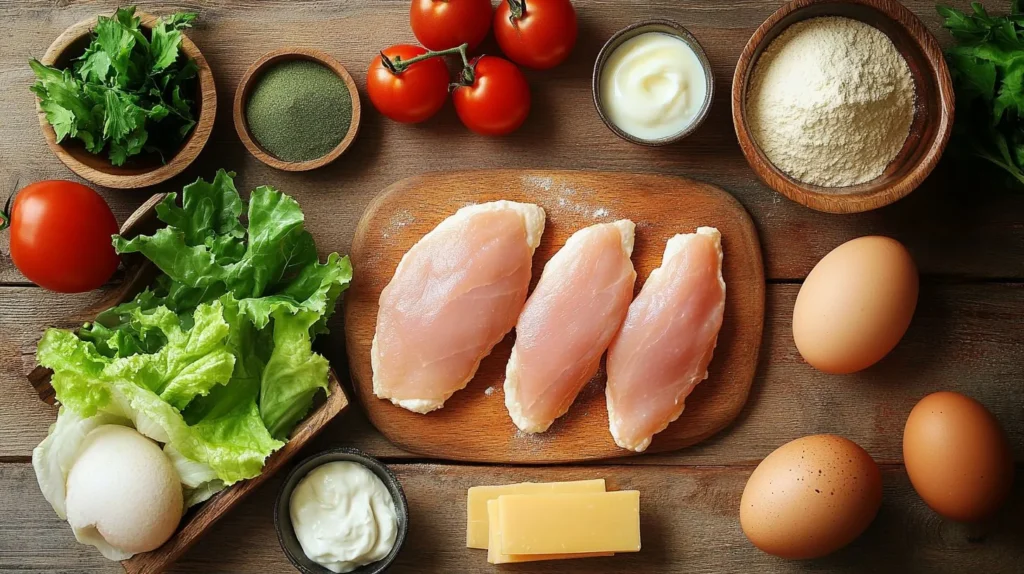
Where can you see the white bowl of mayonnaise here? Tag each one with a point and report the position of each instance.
(652, 83)
(341, 511)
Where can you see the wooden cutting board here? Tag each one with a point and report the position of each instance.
(474, 424)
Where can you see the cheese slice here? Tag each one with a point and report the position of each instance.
(494, 543)
(476, 504)
(570, 523)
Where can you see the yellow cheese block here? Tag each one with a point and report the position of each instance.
(476, 504)
(494, 543)
(570, 523)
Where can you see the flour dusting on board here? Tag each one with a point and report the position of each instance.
(530, 440)
(489, 391)
(544, 183)
(399, 220)
(570, 199)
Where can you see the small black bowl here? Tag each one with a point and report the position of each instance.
(283, 518)
(665, 27)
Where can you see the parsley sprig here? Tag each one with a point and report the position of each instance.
(987, 66)
(127, 93)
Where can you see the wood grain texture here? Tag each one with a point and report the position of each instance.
(688, 524)
(249, 81)
(139, 171)
(933, 117)
(660, 206)
(959, 227)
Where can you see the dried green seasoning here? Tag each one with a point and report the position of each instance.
(299, 110)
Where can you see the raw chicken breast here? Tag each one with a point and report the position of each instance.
(568, 322)
(454, 296)
(665, 345)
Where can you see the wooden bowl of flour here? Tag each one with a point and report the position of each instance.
(933, 106)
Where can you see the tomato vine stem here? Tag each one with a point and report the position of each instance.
(398, 65)
(516, 10)
(5, 213)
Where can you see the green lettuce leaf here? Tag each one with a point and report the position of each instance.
(190, 364)
(278, 248)
(199, 481)
(208, 216)
(251, 349)
(233, 443)
(203, 248)
(294, 373)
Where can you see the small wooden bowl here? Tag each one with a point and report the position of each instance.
(933, 114)
(140, 273)
(665, 27)
(249, 81)
(146, 169)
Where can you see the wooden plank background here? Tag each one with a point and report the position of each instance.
(968, 334)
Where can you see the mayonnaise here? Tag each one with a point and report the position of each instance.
(343, 516)
(652, 86)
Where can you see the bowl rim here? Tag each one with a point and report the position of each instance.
(871, 195)
(181, 159)
(256, 71)
(282, 517)
(636, 29)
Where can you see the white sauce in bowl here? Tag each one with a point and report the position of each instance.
(343, 516)
(652, 86)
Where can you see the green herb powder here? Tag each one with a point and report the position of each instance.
(299, 110)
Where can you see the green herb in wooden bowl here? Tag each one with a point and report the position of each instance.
(987, 67)
(132, 90)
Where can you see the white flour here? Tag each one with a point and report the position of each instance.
(831, 102)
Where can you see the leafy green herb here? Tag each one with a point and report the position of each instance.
(127, 93)
(987, 66)
(215, 359)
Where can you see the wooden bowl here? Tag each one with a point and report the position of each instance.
(665, 27)
(145, 169)
(933, 113)
(140, 272)
(250, 80)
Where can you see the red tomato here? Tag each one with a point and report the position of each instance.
(443, 24)
(535, 33)
(497, 102)
(412, 95)
(60, 236)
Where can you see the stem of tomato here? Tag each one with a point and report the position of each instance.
(5, 217)
(398, 65)
(467, 77)
(516, 8)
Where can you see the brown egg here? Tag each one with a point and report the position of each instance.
(810, 497)
(855, 305)
(957, 456)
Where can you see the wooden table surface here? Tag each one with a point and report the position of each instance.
(967, 335)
